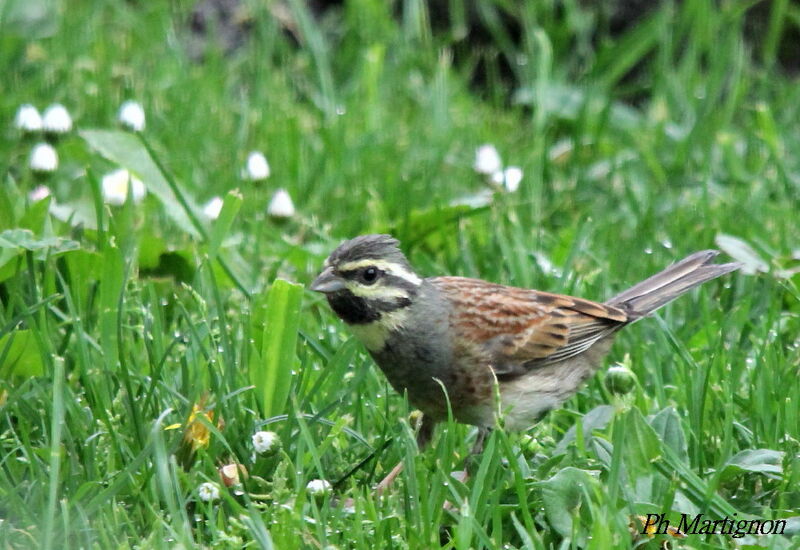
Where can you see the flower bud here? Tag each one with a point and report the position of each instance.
(131, 115)
(487, 160)
(257, 167)
(620, 380)
(281, 206)
(56, 119)
(319, 488)
(229, 474)
(43, 158)
(266, 443)
(212, 208)
(115, 187)
(28, 118)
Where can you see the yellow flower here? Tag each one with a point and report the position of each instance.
(197, 434)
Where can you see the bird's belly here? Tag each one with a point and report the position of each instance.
(431, 387)
(527, 398)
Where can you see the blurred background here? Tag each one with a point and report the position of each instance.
(174, 172)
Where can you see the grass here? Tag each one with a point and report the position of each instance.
(121, 325)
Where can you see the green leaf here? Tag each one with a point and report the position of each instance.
(151, 247)
(792, 526)
(35, 216)
(14, 242)
(79, 212)
(126, 150)
(667, 426)
(10, 203)
(643, 445)
(760, 461)
(19, 355)
(568, 102)
(24, 239)
(596, 419)
(562, 496)
(83, 272)
(742, 252)
(277, 346)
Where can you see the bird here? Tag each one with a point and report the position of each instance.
(451, 344)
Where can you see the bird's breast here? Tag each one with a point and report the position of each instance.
(432, 372)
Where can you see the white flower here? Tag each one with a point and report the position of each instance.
(39, 192)
(28, 118)
(511, 178)
(131, 115)
(212, 208)
(115, 187)
(266, 442)
(43, 158)
(508, 178)
(497, 178)
(257, 167)
(318, 487)
(208, 492)
(280, 205)
(487, 160)
(56, 119)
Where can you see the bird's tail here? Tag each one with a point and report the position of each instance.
(649, 295)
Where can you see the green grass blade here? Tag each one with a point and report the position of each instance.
(273, 377)
(222, 226)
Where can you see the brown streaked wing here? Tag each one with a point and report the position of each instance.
(522, 329)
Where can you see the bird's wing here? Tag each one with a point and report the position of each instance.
(520, 329)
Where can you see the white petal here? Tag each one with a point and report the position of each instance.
(212, 208)
(512, 176)
(131, 115)
(257, 168)
(138, 190)
(39, 192)
(487, 160)
(318, 487)
(263, 442)
(281, 205)
(115, 187)
(28, 118)
(208, 492)
(56, 119)
(43, 158)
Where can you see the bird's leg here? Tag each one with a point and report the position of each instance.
(463, 475)
(480, 439)
(386, 482)
(477, 448)
(424, 434)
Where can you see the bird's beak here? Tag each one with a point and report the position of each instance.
(327, 282)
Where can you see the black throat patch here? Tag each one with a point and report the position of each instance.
(355, 310)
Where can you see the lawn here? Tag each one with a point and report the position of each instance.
(166, 379)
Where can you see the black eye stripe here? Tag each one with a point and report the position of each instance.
(350, 274)
(353, 274)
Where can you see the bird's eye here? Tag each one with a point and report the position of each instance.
(369, 275)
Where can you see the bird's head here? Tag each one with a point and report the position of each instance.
(367, 278)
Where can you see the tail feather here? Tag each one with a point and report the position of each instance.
(656, 291)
